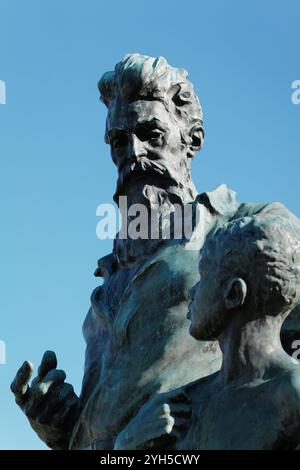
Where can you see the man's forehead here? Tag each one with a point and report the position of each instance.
(131, 114)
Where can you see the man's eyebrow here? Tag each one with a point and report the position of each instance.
(146, 122)
(114, 132)
(153, 122)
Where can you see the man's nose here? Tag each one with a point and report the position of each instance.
(136, 148)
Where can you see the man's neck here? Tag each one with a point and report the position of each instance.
(252, 351)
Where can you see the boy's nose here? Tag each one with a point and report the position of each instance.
(193, 291)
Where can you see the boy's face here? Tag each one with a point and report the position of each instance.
(206, 310)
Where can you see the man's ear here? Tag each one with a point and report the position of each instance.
(197, 138)
(235, 293)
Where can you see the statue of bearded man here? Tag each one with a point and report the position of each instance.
(136, 331)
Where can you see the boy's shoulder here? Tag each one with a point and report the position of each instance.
(276, 209)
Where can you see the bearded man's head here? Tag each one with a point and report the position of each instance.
(154, 127)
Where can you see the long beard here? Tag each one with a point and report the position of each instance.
(160, 204)
(157, 188)
(130, 180)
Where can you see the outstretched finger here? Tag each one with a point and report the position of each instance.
(54, 377)
(49, 362)
(19, 386)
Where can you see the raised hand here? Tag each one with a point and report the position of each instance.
(160, 423)
(50, 404)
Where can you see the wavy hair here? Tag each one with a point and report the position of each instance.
(140, 77)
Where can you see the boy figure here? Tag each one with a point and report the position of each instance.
(250, 282)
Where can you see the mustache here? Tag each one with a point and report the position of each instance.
(143, 168)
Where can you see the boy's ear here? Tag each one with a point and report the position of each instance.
(235, 293)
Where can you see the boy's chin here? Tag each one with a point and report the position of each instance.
(199, 333)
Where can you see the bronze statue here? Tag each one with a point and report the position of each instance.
(135, 330)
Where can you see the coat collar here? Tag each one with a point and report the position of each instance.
(220, 200)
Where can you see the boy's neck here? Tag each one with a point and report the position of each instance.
(252, 350)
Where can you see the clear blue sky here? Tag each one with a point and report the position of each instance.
(55, 168)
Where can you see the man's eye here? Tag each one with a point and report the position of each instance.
(118, 142)
(155, 135)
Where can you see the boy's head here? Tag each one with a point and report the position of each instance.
(249, 267)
